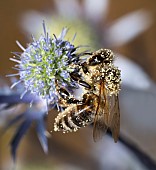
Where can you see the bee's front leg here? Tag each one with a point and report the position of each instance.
(76, 76)
(66, 98)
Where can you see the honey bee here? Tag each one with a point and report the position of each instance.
(99, 104)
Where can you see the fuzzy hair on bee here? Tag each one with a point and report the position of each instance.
(99, 105)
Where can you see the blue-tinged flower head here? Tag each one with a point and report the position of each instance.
(44, 62)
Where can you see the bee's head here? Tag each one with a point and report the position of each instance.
(105, 56)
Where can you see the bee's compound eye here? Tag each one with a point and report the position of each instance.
(95, 60)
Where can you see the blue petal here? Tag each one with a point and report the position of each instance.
(9, 98)
(13, 121)
(41, 134)
(18, 136)
(4, 106)
(15, 98)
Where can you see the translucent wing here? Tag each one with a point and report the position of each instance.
(101, 115)
(107, 115)
(99, 128)
(114, 117)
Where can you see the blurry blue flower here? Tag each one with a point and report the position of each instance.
(41, 64)
(36, 113)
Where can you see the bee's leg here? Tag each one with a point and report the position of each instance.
(85, 67)
(84, 84)
(65, 95)
(74, 101)
(78, 78)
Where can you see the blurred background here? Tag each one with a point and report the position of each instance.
(126, 27)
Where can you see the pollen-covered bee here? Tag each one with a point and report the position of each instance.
(100, 81)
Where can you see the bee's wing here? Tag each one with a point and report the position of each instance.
(99, 128)
(114, 117)
(101, 115)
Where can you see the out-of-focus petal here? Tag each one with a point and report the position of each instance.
(139, 107)
(33, 114)
(36, 112)
(4, 88)
(31, 22)
(110, 153)
(68, 8)
(10, 110)
(96, 10)
(132, 75)
(40, 127)
(138, 117)
(18, 136)
(127, 27)
(15, 98)
(13, 121)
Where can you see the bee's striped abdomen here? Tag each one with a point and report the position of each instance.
(73, 118)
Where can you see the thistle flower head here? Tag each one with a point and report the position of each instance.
(44, 62)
